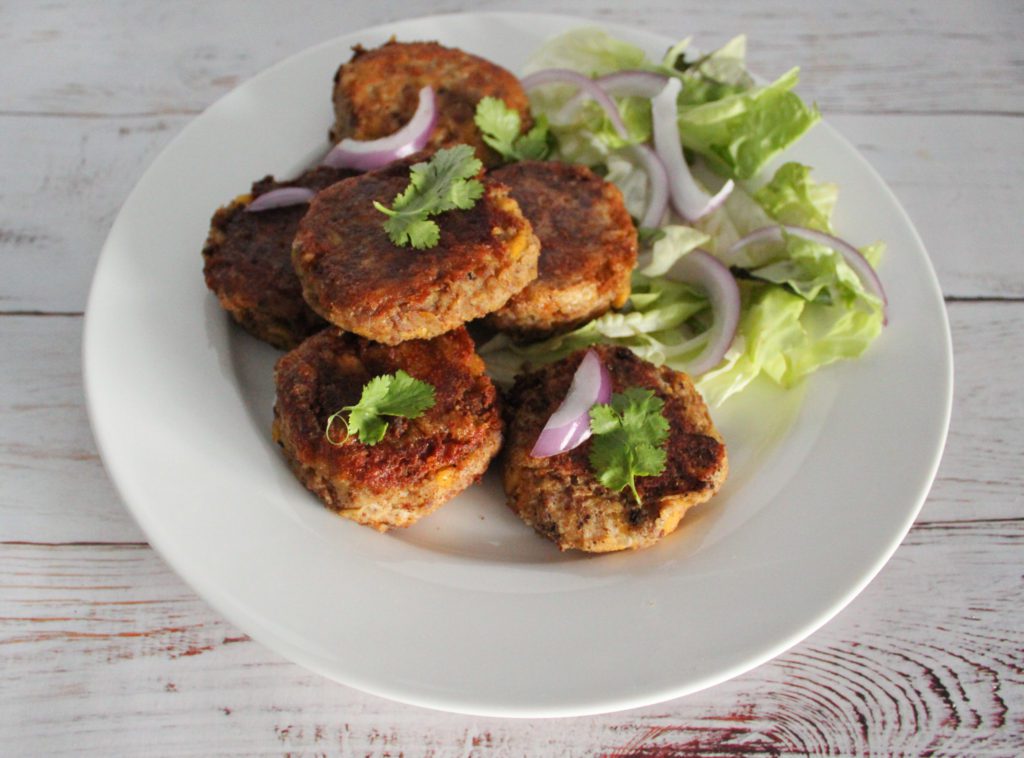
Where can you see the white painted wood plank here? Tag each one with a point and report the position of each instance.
(64, 182)
(876, 57)
(55, 488)
(67, 176)
(57, 206)
(961, 181)
(106, 652)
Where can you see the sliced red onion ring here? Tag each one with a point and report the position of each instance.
(281, 198)
(688, 198)
(632, 83)
(586, 84)
(710, 274)
(366, 155)
(868, 276)
(626, 83)
(652, 164)
(657, 200)
(569, 425)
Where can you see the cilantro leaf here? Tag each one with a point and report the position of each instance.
(395, 394)
(500, 127)
(629, 436)
(447, 182)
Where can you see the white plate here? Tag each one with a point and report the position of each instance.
(469, 610)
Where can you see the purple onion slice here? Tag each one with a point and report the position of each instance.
(657, 176)
(281, 198)
(367, 155)
(688, 198)
(705, 271)
(587, 85)
(867, 275)
(569, 425)
(625, 83)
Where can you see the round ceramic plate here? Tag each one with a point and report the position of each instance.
(470, 610)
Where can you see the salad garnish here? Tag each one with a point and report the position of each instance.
(500, 127)
(806, 297)
(629, 436)
(569, 426)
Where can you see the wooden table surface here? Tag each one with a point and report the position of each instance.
(104, 650)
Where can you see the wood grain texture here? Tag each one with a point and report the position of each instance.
(57, 206)
(927, 659)
(53, 486)
(56, 490)
(90, 175)
(104, 651)
(880, 57)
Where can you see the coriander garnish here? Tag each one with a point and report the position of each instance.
(500, 127)
(444, 183)
(629, 436)
(395, 394)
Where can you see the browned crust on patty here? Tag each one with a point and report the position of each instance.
(247, 262)
(420, 463)
(562, 499)
(588, 248)
(356, 278)
(376, 92)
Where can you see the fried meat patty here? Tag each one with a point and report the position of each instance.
(560, 496)
(247, 262)
(588, 248)
(420, 463)
(356, 278)
(376, 93)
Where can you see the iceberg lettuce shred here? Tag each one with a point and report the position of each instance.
(802, 306)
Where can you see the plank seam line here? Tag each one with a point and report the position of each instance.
(984, 298)
(826, 112)
(839, 111)
(171, 112)
(947, 298)
(65, 314)
(960, 522)
(86, 543)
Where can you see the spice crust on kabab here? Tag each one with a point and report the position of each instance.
(588, 248)
(356, 277)
(247, 262)
(561, 495)
(418, 463)
(376, 93)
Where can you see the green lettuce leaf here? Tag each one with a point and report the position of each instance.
(724, 115)
(719, 74)
(740, 132)
(803, 307)
(588, 50)
(785, 337)
(792, 197)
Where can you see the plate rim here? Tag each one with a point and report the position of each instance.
(224, 605)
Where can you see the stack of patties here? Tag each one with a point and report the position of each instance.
(384, 409)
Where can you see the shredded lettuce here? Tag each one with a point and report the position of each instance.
(589, 50)
(802, 306)
(741, 132)
(724, 115)
(786, 331)
(792, 197)
(786, 337)
(721, 73)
